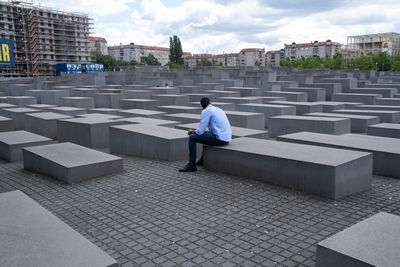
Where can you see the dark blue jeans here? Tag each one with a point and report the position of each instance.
(207, 138)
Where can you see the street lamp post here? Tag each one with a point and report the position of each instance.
(376, 64)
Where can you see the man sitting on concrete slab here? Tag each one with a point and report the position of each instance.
(219, 133)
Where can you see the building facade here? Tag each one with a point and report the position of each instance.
(274, 58)
(98, 44)
(135, 52)
(251, 57)
(43, 37)
(313, 49)
(360, 45)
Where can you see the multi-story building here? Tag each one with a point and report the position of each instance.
(43, 37)
(98, 44)
(312, 49)
(135, 52)
(274, 58)
(360, 45)
(252, 57)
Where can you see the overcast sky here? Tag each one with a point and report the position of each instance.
(222, 26)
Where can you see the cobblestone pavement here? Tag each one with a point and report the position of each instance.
(151, 214)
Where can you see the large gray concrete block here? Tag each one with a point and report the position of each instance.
(385, 92)
(237, 132)
(150, 141)
(391, 130)
(388, 101)
(180, 109)
(150, 104)
(287, 124)
(41, 107)
(197, 97)
(43, 123)
(21, 101)
(290, 96)
(359, 123)
(11, 143)
(268, 110)
(164, 90)
(240, 100)
(84, 92)
(368, 99)
(17, 115)
(69, 162)
(184, 118)
(109, 111)
(190, 89)
(378, 107)
(346, 83)
(301, 107)
(245, 91)
(326, 172)
(243, 119)
(371, 242)
(211, 86)
(150, 121)
(79, 102)
(385, 115)
(313, 94)
(146, 94)
(165, 100)
(330, 88)
(100, 116)
(89, 132)
(141, 113)
(386, 151)
(52, 97)
(69, 111)
(6, 124)
(276, 85)
(328, 106)
(32, 236)
(217, 93)
(107, 100)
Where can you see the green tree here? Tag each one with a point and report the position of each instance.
(382, 61)
(175, 50)
(338, 61)
(395, 65)
(108, 61)
(204, 62)
(258, 64)
(149, 60)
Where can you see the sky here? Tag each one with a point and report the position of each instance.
(222, 26)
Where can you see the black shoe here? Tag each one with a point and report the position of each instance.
(189, 168)
(200, 162)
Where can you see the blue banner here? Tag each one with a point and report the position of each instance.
(7, 53)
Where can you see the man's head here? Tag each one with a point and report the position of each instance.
(204, 102)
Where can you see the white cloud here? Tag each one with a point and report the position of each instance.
(91, 7)
(217, 26)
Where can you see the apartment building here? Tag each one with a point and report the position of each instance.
(313, 49)
(135, 52)
(360, 45)
(252, 57)
(274, 58)
(43, 37)
(98, 44)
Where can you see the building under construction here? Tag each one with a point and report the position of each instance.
(43, 37)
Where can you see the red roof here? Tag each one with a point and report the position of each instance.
(97, 39)
(252, 50)
(139, 47)
(273, 52)
(312, 44)
(187, 53)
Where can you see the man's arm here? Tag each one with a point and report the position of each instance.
(204, 121)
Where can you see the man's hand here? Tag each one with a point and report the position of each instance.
(191, 131)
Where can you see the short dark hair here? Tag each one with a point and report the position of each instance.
(204, 102)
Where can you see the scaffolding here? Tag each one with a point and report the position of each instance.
(43, 37)
(360, 45)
